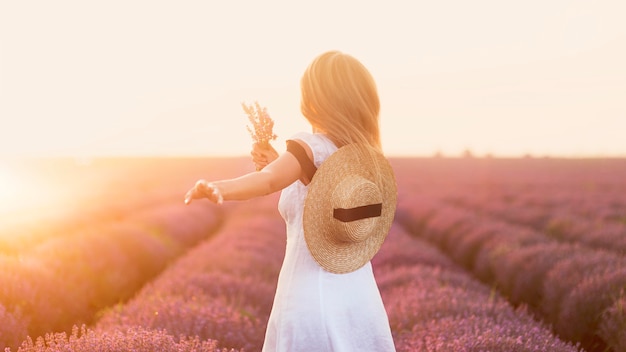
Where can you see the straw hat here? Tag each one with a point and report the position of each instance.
(349, 208)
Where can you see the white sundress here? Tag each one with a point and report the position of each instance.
(315, 310)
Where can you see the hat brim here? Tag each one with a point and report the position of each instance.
(333, 255)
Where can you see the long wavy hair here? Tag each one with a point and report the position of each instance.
(340, 98)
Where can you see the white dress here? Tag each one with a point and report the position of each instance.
(315, 310)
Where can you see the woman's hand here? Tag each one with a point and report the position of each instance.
(204, 189)
(262, 155)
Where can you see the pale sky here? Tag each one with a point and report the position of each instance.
(89, 78)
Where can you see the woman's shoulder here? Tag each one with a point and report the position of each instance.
(319, 144)
(311, 138)
(302, 135)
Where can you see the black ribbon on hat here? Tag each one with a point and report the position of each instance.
(358, 213)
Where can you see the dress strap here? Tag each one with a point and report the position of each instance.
(306, 164)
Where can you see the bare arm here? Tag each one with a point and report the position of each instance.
(277, 175)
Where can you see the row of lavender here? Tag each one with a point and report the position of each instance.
(103, 191)
(578, 201)
(434, 305)
(578, 290)
(567, 219)
(120, 222)
(215, 298)
(590, 190)
(219, 296)
(68, 278)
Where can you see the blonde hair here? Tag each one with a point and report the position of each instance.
(339, 96)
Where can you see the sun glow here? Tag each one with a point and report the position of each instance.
(21, 193)
(10, 187)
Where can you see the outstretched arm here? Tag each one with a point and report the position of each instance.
(274, 177)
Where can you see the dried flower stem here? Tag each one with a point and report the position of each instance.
(262, 124)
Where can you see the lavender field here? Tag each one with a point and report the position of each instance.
(484, 255)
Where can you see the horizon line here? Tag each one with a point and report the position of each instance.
(435, 155)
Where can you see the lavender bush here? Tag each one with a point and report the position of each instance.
(612, 327)
(66, 280)
(221, 290)
(434, 306)
(535, 233)
(134, 339)
(519, 261)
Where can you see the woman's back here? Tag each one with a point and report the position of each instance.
(315, 310)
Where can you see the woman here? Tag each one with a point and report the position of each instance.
(326, 298)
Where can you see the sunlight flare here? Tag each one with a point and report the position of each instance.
(21, 192)
(10, 187)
